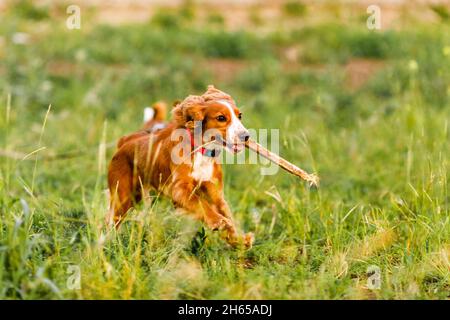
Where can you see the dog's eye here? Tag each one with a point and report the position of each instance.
(240, 116)
(221, 118)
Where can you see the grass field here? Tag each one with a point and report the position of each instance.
(367, 110)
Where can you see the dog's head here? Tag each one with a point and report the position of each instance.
(218, 117)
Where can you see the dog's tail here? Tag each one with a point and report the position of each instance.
(157, 111)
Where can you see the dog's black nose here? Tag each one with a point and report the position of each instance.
(244, 136)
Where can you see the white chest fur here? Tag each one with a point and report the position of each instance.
(203, 167)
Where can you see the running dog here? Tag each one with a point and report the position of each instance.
(180, 160)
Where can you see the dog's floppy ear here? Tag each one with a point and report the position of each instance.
(186, 115)
(193, 115)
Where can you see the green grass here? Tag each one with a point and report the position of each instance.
(294, 8)
(381, 151)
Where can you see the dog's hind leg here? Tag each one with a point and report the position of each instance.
(122, 187)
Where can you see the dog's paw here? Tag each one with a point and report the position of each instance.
(220, 223)
(248, 240)
(244, 242)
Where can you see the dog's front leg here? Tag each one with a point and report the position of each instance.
(215, 194)
(185, 195)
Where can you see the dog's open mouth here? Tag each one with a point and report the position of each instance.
(235, 147)
(231, 147)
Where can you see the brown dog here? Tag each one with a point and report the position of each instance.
(174, 159)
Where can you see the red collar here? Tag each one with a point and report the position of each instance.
(206, 152)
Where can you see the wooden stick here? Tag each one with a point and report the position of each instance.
(286, 165)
